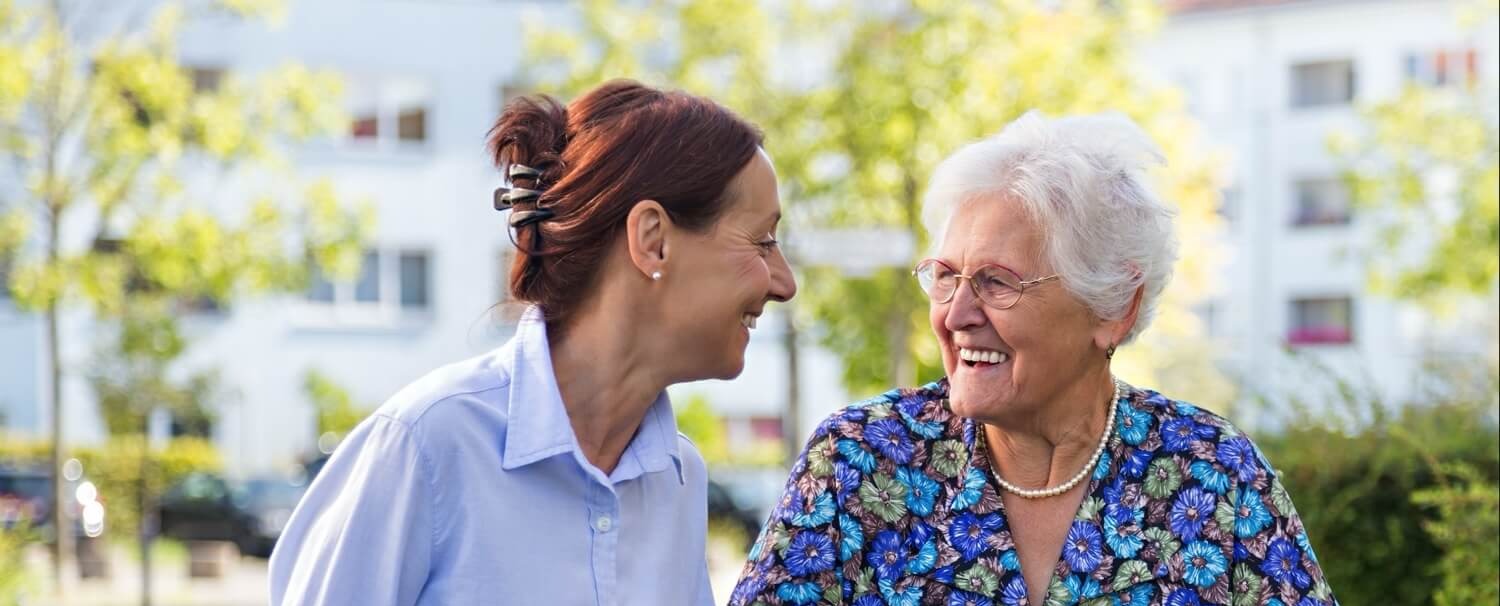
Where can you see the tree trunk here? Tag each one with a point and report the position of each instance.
(791, 426)
(63, 531)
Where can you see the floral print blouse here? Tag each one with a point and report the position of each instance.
(894, 503)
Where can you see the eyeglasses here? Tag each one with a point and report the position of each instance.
(996, 285)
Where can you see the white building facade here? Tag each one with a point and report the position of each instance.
(1270, 81)
(426, 80)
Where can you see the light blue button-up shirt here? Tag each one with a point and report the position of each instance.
(468, 487)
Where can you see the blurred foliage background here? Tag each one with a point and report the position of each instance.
(859, 102)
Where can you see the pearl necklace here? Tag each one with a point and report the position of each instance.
(1041, 493)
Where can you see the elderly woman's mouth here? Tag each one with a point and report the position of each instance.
(982, 357)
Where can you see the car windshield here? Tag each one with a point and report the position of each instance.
(266, 493)
(25, 486)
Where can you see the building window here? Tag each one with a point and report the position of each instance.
(1321, 321)
(1229, 203)
(1208, 314)
(1321, 201)
(6, 262)
(414, 282)
(1443, 67)
(206, 79)
(389, 283)
(1323, 83)
(319, 289)
(411, 124)
(766, 429)
(364, 126)
(387, 111)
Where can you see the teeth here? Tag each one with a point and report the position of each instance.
(975, 355)
(748, 320)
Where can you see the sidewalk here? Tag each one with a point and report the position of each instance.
(244, 584)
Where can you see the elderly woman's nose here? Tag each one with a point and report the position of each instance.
(963, 309)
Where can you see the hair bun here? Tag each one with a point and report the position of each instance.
(532, 131)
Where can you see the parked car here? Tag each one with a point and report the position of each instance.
(207, 507)
(26, 500)
(722, 507)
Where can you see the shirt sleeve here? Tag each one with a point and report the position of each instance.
(363, 533)
(1273, 557)
(797, 558)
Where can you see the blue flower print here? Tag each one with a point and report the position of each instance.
(887, 555)
(1082, 549)
(852, 537)
(1209, 477)
(810, 552)
(1284, 564)
(1238, 455)
(1203, 563)
(921, 491)
(890, 438)
(1192, 509)
(1134, 425)
(856, 455)
(1251, 516)
(800, 593)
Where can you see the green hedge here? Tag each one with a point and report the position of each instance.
(115, 469)
(1402, 511)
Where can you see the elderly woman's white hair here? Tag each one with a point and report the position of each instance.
(1082, 180)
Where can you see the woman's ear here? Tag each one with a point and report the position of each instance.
(1110, 333)
(646, 237)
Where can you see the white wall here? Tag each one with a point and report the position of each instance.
(1235, 67)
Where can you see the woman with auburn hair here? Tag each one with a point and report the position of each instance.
(550, 470)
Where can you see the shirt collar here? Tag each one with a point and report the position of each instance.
(538, 425)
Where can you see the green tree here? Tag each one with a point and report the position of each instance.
(130, 183)
(336, 411)
(1424, 170)
(860, 103)
(130, 376)
(697, 420)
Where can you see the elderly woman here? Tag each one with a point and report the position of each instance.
(550, 470)
(1030, 475)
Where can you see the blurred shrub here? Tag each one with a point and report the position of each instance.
(13, 577)
(1401, 509)
(1466, 530)
(115, 469)
(337, 413)
(697, 420)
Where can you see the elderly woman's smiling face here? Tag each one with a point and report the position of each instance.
(1043, 342)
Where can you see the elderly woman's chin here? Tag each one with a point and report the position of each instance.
(982, 394)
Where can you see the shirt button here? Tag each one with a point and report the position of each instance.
(603, 523)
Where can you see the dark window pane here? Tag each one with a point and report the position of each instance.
(5, 265)
(1323, 201)
(206, 79)
(319, 289)
(364, 127)
(1323, 320)
(414, 280)
(367, 290)
(1322, 83)
(411, 124)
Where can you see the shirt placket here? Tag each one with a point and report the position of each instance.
(604, 524)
